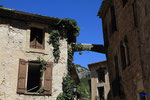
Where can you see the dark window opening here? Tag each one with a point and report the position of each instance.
(134, 14)
(101, 93)
(101, 75)
(124, 2)
(116, 66)
(142, 96)
(117, 88)
(34, 82)
(106, 40)
(123, 58)
(113, 20)
(37, 38)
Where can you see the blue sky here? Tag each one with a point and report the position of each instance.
(83, 11)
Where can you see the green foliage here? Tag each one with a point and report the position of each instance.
(43, 63)
(70, 59)
(60, 32)
(41, 90)
(97, 98)
(79, 47)
(68, 93)
(84, 88)
(54, 39)
(74, 25)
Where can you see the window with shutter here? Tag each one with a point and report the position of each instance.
(37, 38)
(21, 87)
(48, 79)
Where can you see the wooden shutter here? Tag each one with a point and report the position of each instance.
(21, 87)
(48, 79)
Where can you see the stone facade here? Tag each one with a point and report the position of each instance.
(127, 22)
(100, 87)
(15, 45)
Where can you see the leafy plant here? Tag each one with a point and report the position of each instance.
(60, 32)
(84, 88)
(41, 90)
(43, 64)
(68, 93)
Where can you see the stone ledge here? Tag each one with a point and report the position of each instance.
(40, 51)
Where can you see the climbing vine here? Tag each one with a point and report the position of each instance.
(67, 87)
(60, 32)
(43, 64)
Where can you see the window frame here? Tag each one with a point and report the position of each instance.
(124, 53)
(46, 80)
(30, 63)
(43, 38)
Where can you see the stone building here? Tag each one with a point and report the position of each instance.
(99, 80)
(24, 37)
(126, 30)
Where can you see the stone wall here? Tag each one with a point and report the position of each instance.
(133, 23)
(144, 40)
(14, 44)
(94, 79)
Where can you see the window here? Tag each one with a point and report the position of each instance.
(33, 81)
(116, 66)
(37, 38)
(135, 14)
(29, 81)
(124, 50)
(124, 2)
(101, 75)
(101, 93)
(113, 20)
(106, 40)
(117, 89)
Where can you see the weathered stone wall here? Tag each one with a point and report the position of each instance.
(138, 35)
(14, 44)
(94, 79)
(144, 40)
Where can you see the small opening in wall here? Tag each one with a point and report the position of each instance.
(34, 82)
(37, 38)
(101, 75)
(101, 93)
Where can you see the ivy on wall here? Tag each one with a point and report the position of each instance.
(43, 64)
(60, 32)
(67, 87)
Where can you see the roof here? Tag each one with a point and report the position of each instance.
(104, 6)
(30, 17)
(97, 64)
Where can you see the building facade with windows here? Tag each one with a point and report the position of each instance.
(23, 38)
(126, 30)
(100, 87)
